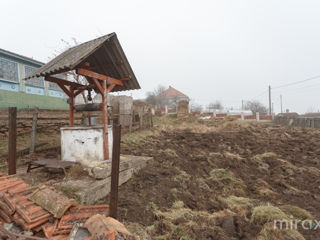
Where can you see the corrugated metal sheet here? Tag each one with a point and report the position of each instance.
(105, 56)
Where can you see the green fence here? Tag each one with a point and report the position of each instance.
(24, 101)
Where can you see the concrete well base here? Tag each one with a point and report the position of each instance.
(89, 190)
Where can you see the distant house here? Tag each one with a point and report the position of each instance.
(172, 97)
(289, 114)
(312, 115)
(14, 91)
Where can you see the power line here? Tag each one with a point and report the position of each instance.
(297, 82)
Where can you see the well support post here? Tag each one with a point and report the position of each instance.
(105, 119)
(71, 107)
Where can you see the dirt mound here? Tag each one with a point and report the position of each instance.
(234, 167)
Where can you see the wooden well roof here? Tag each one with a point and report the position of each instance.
(103, 55)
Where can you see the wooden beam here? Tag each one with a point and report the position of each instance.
(78, 92)
(64, 82)
(111, 87)
(98, 85)
(66, 91)
(88, 73)
(71, 107)
(105, 119)
(125, 79)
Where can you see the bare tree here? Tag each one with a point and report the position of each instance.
(217, 105)
(256, 106)
(71, 75)
(157, 97)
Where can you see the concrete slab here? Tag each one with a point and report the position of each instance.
(89, 190)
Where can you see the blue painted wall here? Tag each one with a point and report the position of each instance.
(9, 86)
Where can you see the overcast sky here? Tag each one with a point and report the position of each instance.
(229, 50)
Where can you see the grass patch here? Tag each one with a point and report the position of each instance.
(202, 184)
(312, 170)
(267, 213)
(215, 155)
(153, 206)
(177, 205)
(231, 184)
(170, 152)
(138, 230)
(260, 157)
(270, 233)
(182, 179)
(268, 155)
(180, 234)
(233, 156)
(296, 212)
(221, 174)
(136, 137)
(239, 205)
(264, 191)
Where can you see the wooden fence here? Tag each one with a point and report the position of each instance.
(32, 122)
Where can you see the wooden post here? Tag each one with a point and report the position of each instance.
(105, 119)
(12, 146)
(115, 171)
(34, 130)
(71, 107)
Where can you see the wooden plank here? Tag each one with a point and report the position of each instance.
(96, 82)
(64, 82)
(78, 92)
(115, 170)
(66, 91)
(99, 76)
(12, 146)
(111, 87)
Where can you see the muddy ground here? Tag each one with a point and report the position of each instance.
(222, 180)
(214, 179)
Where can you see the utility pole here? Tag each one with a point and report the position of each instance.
(270, 100)
(281, 102)
(242, 105)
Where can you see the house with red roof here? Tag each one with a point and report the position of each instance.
(172, 97)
